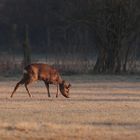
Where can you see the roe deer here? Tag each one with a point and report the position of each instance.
(46, 73)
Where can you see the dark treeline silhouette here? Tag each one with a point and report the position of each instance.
(102, 35)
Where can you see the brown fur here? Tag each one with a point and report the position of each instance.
(45, 73)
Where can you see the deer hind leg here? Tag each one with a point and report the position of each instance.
(27, 89)
(47, 86)
(16, 87)
(28, 81)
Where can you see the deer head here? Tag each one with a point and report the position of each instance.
(64, 88)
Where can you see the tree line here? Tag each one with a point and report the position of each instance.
(108, 27)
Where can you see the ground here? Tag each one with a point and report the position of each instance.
(99, 108)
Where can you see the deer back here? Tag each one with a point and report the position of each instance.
(43, 72)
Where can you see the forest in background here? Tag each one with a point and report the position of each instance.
(76, 36)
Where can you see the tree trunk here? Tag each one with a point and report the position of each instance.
(106, 62)
(26, 47)
(125, 59)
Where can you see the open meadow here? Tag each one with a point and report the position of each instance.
(99, 108)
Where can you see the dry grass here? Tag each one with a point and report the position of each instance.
(100, 108)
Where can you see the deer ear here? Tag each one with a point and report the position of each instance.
(69, 85)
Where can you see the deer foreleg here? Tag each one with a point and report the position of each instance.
(57, 91)
(47, 86)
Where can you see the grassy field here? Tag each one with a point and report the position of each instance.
(99, 108)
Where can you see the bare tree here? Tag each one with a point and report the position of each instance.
(115, 24)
